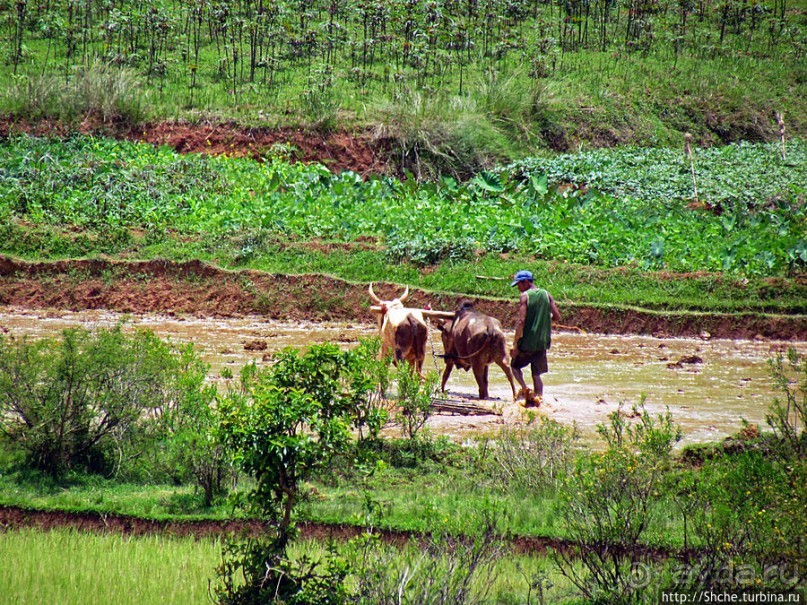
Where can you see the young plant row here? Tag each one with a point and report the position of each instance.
(166, 570)
(428, 44)
(646, 222)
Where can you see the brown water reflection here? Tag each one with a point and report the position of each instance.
(589, 374)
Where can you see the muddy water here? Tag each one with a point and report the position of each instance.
(589, 374)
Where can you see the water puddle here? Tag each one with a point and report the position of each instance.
(719, 382)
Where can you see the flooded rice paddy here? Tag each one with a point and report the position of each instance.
(589, 374)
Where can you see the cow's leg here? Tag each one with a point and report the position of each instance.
(415, 366)
(418, 336)
(446, 374)
(504, 364)
(481, 375)
(387, 341)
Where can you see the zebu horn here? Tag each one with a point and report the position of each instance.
(405, 295)
(373, 297)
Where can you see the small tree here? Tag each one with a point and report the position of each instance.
(190, 447)
(369, 379)
(415, 400)
(288, 421)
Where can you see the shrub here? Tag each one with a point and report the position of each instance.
(189, 448)
(422, 250)
(424, 448)
(91, 400)
(443, 568)
(320, 104)
(607, 504)
(748, 524)
(788, 416)
(531, 457)
(425, 143)
(747, 505)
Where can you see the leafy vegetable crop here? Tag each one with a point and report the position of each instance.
(620, 211)
(747, 174)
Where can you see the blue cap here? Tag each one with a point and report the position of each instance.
(522, 276)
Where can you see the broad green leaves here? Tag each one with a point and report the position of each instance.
(606, 208)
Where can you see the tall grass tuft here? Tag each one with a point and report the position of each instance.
(433, 135)
(101, 92)
(512, 103)
(534, 457)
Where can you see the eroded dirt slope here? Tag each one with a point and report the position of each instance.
(13, 517)
(360, 151)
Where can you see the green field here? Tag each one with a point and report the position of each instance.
(74, 568)
(156, 570)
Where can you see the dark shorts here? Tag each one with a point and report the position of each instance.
(535, 359)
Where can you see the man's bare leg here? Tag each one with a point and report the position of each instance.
(538, 384)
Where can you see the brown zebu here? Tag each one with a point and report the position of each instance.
(473, 340)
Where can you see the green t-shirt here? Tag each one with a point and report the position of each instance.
(537, 335)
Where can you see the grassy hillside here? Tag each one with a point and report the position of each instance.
(445, 85)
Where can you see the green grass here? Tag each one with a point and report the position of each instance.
(75, 568)
(72, 568)
(428, 498)
(421, 501)
(91, 493)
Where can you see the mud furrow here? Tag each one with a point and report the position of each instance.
(14, 518)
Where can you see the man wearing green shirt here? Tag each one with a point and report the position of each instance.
(536, 310)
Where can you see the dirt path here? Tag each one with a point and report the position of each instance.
(196, 288)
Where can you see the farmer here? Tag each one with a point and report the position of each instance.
(533, 337)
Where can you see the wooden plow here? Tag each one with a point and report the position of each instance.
(463, 407)
(570, 328)
(425, 312)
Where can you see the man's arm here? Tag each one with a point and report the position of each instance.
(521, 319)
(553, 309)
